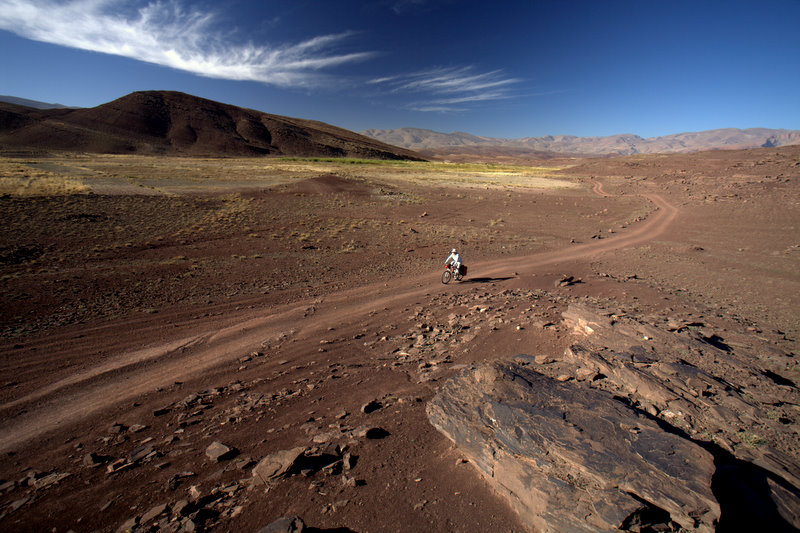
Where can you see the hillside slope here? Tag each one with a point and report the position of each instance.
(166, 122)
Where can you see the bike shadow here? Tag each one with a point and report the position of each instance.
(486, 280)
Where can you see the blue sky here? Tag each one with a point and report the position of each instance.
(501, 69)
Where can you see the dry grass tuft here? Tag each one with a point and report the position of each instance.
(17, 179)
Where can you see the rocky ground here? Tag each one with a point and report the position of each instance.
(217, 362)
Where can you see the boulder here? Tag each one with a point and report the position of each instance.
(216, 451)
(572, 459)
(276, 465)
(291, 524)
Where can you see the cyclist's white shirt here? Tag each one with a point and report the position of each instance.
(453, 258)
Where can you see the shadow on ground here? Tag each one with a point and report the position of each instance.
(486, 280)
(743, 490)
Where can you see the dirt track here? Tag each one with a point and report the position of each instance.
(135, 372)
(271, 319)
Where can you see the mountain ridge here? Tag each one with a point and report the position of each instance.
(175, 123)
(621, 144)
(36, 104)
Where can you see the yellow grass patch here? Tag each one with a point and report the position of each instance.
(137, 174)
(18, 179)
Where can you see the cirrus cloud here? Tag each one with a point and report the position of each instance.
(165, 33)
(446, 89)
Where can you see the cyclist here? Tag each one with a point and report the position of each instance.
(455, 259)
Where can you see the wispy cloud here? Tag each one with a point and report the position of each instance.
(444, 88)
(166, 33)
(403, 7)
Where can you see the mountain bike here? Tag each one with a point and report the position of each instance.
(451, 273)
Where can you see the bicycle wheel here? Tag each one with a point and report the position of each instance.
(446, 277)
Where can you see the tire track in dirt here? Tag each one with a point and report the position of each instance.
(647, 231)
(137, 372)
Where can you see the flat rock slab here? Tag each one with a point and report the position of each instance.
(276, 465)
(291, 524)
(573, 459)
(217, 451)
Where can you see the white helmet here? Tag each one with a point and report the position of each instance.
(453, 251)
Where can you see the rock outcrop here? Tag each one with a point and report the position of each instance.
(570, 458)
(642, 423)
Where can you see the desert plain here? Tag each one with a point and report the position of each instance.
(170, 322)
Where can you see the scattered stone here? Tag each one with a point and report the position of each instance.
(333, 507)
(322, 438)
(371, 407)
(217, 452)
(348, 461)
(50, 479)
(290, 524)
(16, 504)
(370, 433)
(92, 459)
(175, 480)
(187, 525)
(142, 452)
(585, 374)
(276, 465)
(566, 281)
(128, 525)
(544, 359)
(181, 508)
(119, 464)
(154, 513)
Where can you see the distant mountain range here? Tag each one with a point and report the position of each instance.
(173, 123)
(432, 142)
(29, 103)
(168, 122)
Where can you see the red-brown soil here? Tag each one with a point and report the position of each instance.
(267, 319)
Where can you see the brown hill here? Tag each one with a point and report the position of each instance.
(167, 122)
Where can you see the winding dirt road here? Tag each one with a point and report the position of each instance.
(204, 343)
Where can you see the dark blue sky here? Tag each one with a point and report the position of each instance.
(503, 69)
